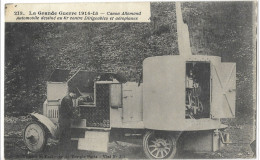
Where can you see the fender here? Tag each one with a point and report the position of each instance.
(52, 128)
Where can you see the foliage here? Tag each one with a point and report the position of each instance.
(226, 29)
(34, 50)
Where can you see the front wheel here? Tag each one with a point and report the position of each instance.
(35, 137)
(159, 145)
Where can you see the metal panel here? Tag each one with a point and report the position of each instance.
(164, 92)
(229, 83)
(116, 105)
(56, 90)
(223, 90)
(116, 117)
(94, 141)
(116, 95)
(132, 102)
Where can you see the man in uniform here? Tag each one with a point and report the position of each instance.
(65, 115)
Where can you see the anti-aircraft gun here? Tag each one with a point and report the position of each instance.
(181, 100)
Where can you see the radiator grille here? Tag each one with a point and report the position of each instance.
(53, 112)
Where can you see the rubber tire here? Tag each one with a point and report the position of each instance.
(148, 155)
(43, 136)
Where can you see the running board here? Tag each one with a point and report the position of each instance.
(94, 141)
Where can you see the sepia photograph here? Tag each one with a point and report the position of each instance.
(121, 80)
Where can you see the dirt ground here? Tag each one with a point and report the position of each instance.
(240, 135)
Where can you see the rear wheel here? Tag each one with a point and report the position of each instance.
(35, 137)
(159, 145)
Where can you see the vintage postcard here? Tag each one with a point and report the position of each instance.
(130, 80)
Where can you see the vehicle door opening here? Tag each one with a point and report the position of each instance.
(197, 103)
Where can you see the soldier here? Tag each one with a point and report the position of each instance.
(65, 115)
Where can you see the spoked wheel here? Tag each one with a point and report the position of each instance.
(159, 145)
(34, 137)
